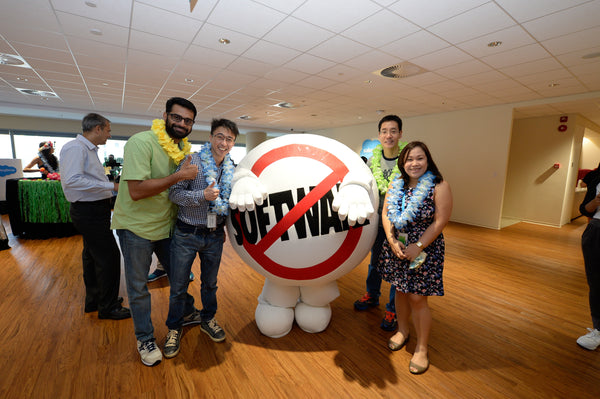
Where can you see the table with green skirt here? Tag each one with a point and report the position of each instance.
(38, 209)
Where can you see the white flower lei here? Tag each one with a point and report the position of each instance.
(221, 205)
(401, 218)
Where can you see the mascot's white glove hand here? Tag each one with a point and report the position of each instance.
(246, 190)
(352, 200)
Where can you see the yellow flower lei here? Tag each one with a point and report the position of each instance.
(167, 143)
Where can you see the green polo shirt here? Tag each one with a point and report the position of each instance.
(151, 218)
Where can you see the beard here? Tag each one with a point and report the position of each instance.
(175, 133)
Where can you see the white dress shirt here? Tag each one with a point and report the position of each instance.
(82, 175)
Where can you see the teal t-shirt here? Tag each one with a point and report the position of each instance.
(151, 218)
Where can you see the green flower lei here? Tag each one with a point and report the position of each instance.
(382, 182)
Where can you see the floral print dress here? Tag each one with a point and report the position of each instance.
(427, 279)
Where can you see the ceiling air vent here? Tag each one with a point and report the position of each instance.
(402, 70)
(40, 93)
(12, 60)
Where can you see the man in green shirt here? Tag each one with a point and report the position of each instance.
(143, 215)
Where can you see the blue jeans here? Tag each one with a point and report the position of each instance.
(373, 277)
(186, 243)
(137, 256)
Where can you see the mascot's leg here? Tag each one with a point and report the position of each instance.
(313, 312)
(275, 311)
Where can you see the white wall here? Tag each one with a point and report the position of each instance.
(536, 191)
(470, 148)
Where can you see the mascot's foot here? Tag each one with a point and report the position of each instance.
(274, 321)
(312, 319)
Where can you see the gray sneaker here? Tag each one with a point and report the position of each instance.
(172, 343)
(192, 318)
(214, 331)
(149, 352)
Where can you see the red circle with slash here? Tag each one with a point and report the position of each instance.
(338, 171)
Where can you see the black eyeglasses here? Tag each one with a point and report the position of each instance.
(178, 118)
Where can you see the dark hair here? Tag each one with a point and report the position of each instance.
(431, 166)
(90, 121)
(50, 157)
(182, 102)
(226, 123)
(390, 118)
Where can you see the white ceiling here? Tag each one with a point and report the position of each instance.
(319, 55)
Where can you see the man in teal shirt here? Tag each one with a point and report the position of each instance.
(144, 216)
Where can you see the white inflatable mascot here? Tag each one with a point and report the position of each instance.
(303, 216)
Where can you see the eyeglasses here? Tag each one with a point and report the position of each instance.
(178, 118)
(221, 137)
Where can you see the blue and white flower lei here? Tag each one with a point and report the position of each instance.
(401, 218)
(221, 205)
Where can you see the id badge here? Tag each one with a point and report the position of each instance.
(211, 220)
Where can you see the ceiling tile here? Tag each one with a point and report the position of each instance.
(527, 10)
(284, 6)
(463, 69)
(116, 12)
(510, 38)
(477, 22)
(528, 68)
(309, 64)
(207, 56)
(561, 22)
(201, 10)
(297, 34)
(442, 58)
(210, 34)
(173, 26)
(363, 31)
(156, 44)
(336, 15)
(80, 27)
(245, 17)
(339, 49)
(427, 13)
(575, 41)
(415, 45)
(516, 56)
(271, 53)
(373, 61)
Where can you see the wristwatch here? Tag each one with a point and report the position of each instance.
(419, 244)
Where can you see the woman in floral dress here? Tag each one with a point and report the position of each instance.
(417, 207)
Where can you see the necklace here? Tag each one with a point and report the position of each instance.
(402, 217)
(382, 182)
(221, 205)
(47, 165)
(167, 143)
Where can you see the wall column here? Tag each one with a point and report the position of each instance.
(253, 139)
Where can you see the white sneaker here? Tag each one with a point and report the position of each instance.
(589, 341)
(149, 352)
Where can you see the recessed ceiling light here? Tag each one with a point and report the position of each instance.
(553, 84)
(245, 117)
(494, 44)
(23, 79)
(224, 41)
(189, 80)
(380, 111)
(90, 4)
(104, 84)
(96, 32)
(368, 82)
(591, 55)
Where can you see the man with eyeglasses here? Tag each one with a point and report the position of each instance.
(384, 166)
(203, 208)
(143, 215)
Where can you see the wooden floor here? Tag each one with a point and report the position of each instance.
(516, 300)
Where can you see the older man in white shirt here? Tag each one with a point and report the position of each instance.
(89, 191)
